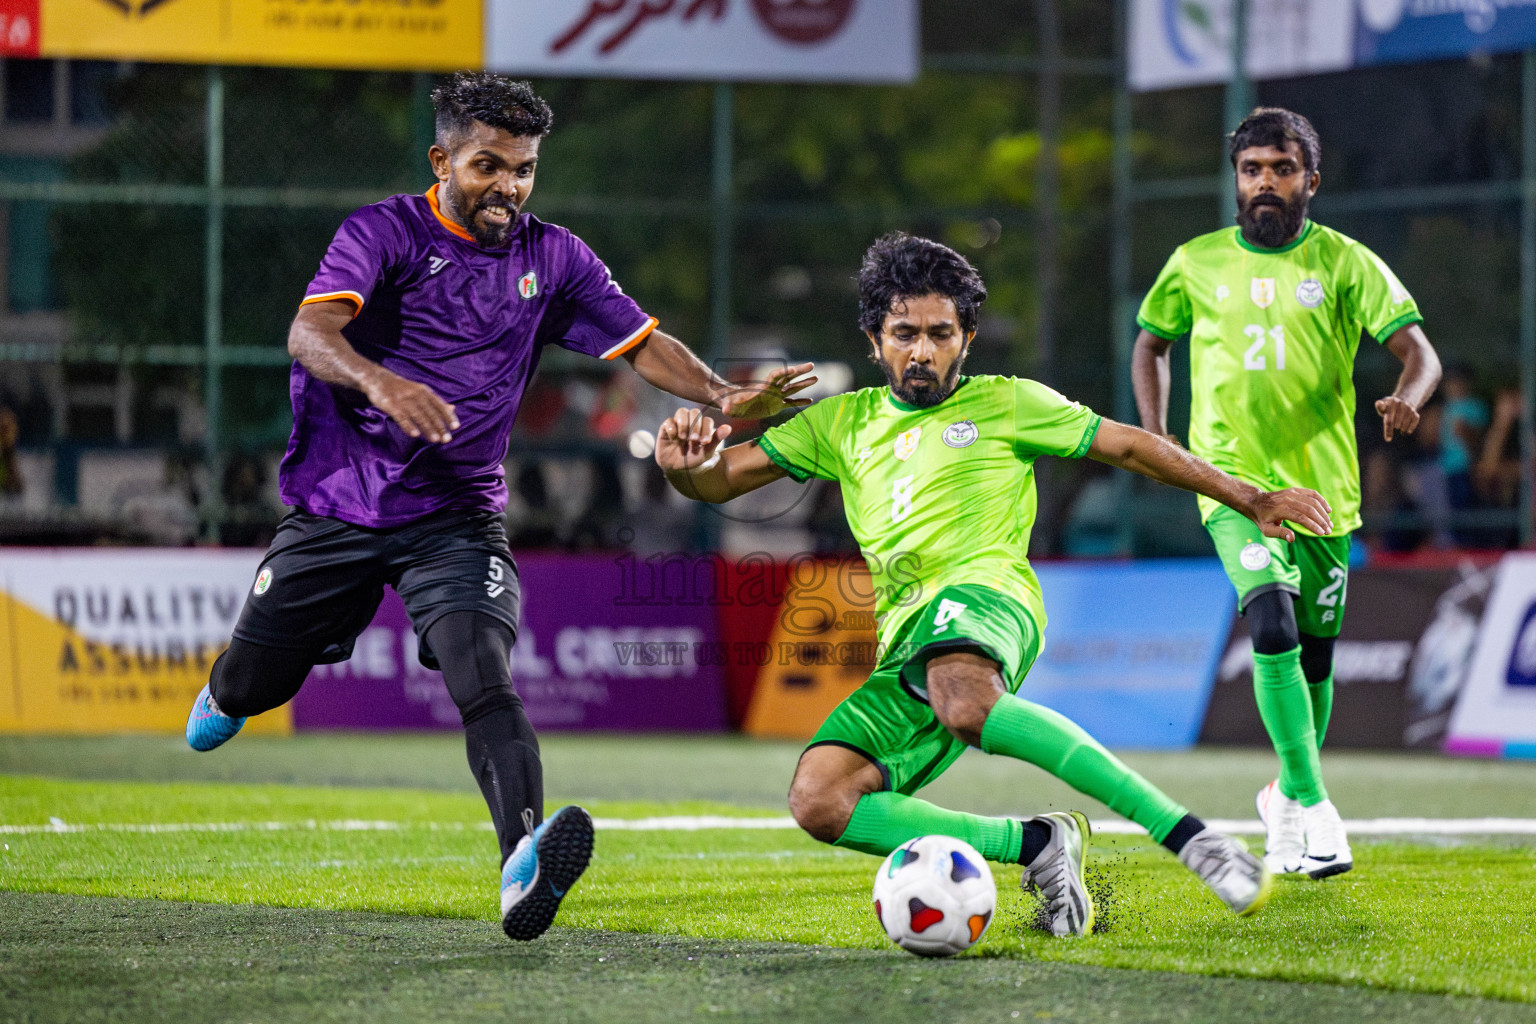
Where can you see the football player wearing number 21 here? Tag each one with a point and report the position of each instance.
(1274, 309)
(937, 475)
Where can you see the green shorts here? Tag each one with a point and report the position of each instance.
(1314, 569)
(888, 719)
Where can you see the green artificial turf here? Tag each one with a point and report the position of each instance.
(85, 960)
(1432, 916)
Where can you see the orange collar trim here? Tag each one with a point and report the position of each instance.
(437, 212)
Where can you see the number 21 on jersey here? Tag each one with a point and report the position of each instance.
(1253, 358)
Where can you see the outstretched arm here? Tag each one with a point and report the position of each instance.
(1152, 456)
(316, 341)
(668, 364)
(1149, 379)
(688, 451)
(1421, 372)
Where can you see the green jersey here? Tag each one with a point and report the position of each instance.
(1272, 341)
(937, 496)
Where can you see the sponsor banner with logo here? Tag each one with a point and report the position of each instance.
(95, 641)
(1399, 663)
(1129, 651)
(405, 34)
(20, 28)
(602, 644)
(762, 40)
(1496, 714)
(1178, 43)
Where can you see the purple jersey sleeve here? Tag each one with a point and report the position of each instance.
(366, 247)
(599, 319)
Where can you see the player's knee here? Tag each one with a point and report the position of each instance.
(1272, 622)
(820, 808)
(963, 717)
(961, 690)
(1316, 657)
(248, 679)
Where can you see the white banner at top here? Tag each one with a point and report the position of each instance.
(1177, 43)
(719, 40)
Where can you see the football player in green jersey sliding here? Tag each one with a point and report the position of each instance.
(1274, 309)
(938, 482)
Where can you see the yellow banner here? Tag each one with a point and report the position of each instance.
(116, 641)
(823, 648)
(424, 35)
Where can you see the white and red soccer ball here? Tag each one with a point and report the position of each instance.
(935, 896)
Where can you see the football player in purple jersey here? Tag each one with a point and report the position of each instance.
(412, 349)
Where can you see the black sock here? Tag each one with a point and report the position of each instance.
(1188, 827)
(1037, 834)
(504, 757)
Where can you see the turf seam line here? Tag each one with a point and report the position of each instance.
(695, 823)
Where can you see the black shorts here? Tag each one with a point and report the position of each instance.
(322, 579)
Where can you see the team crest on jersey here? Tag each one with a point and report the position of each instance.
(1262, 291)
(1310, 293)
(528, 285)
(906, 443)
(263, 581)
(961, 435)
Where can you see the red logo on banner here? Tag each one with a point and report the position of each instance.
(803, 21)
(18, 28)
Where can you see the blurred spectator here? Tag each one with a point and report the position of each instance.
(11, 483)
(249, 520)
(1462, 423)
(1497, 473)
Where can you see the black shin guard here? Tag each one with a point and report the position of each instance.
(503, 750)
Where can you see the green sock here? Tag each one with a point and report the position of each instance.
(1036, 734)
(1322, 706)
(883, 821)
(1281, 691)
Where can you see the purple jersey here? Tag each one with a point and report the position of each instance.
(469, 323)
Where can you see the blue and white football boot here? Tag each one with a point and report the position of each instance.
(542, 870)
(207, 726)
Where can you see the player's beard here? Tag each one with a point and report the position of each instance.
(463, 211)
(923, 398)
(1271, 230)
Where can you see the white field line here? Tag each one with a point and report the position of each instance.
(681, 823)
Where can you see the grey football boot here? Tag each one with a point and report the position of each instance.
(1237, 877)
(1057, 871)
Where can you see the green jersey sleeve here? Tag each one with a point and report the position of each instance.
(806, 446)
(1373, 295)
(1046, 422)
(1166, 311)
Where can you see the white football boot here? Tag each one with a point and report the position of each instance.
(1327, 845)
(1057, 871)
(1285, 838)
(1237, 877)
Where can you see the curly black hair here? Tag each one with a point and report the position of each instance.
(1275, 126)
(496, 100)
(902, 266)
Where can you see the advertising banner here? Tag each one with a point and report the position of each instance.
(1178, 43)
(736, 40)
(1399, 662)
(385, 34)
(1129, 650)
(1496, 714)
(19, 28)
(604, 643)
(98, 641)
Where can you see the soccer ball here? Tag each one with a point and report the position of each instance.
(935, 896)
